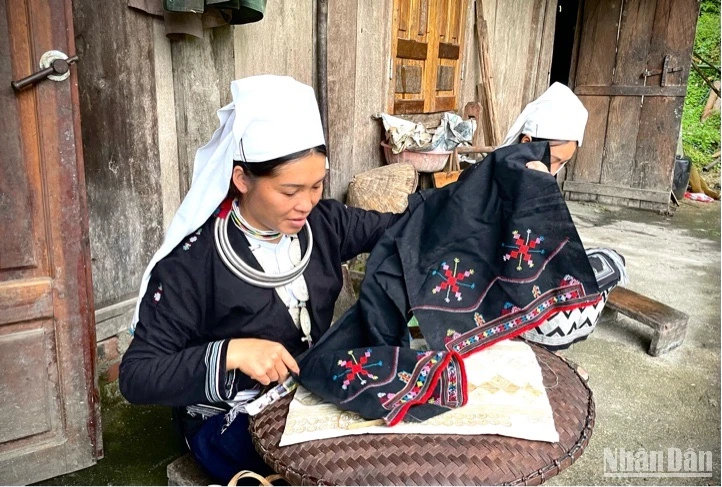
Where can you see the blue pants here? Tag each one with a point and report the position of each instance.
(222, 455)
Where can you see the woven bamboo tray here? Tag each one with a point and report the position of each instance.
(437, 459)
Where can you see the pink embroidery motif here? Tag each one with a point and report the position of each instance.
(451, 335)
(452, 280)
(192, 240)
(158, 294)
(523, 248)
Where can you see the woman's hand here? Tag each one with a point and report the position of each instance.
(261, 360)
(537, 166)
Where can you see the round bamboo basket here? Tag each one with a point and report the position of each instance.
(384, 189)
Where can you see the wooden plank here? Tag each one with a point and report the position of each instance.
(423, 24)
(16, 216)
(570, 196)
(448, 51)
(165, 113)
(196, 84)
(408, 106)
(373, 44)
(630, 90)
(121, 152)
(23, 63)
(445, 103)
(535, 31)
(341, 93)
(589, 157)
(260, 50)
(433, 39)
(508, 50)
(113, 319)
(404, 13)
(617, 191)
(471, 74)
(575, 49)
(408, 79)
(407, 49)
(595, 66)
(72, 332)
(546, 50)
(25, 300)
(443, 19)
(660, 117)
(458, 15)
(621, 141)
(486, 88)
(445, 79)
(635, 35)
(623, 121)
(24, 388)
(598, 43)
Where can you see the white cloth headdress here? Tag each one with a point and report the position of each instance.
(274, 116)
(557, 115)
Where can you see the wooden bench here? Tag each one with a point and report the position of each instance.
(669, 324)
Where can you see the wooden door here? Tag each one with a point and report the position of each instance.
(48, 397)
(634, 60)
(426, 59)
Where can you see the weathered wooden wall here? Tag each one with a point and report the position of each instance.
(359, 38)
(147, 111)
(521, 38)
(128, 145)
(359, 50)
(282, 43)
(202, 73)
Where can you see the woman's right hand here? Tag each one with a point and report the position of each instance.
(261, 360)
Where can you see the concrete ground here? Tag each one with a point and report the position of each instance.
(642, 402)
(654, 403)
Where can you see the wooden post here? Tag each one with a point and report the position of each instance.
(485, 89)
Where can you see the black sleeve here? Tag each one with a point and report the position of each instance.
(167, 362)
(358, 229)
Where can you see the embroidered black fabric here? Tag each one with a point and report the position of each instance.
(475, 262)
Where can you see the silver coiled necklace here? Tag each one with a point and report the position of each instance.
(247, 273)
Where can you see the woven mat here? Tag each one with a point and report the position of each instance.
(437, 459)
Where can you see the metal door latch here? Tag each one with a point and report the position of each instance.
(664, 72)
(54, 65)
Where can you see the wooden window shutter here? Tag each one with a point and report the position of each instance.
(426, 51)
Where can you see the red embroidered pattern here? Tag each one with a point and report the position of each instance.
(515, 320)
(478, 302)
(418, 382)
(523, 248)
(452, 280)
(356, 369)
(438, 374)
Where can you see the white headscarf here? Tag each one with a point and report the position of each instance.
(274, 116)
(557, 115)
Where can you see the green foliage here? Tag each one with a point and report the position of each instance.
(702, 139)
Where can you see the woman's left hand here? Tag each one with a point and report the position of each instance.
(537, 166)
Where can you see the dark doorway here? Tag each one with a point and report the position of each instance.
(566, 25)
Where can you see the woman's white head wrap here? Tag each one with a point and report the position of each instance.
(269, 117)
(556, 115)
